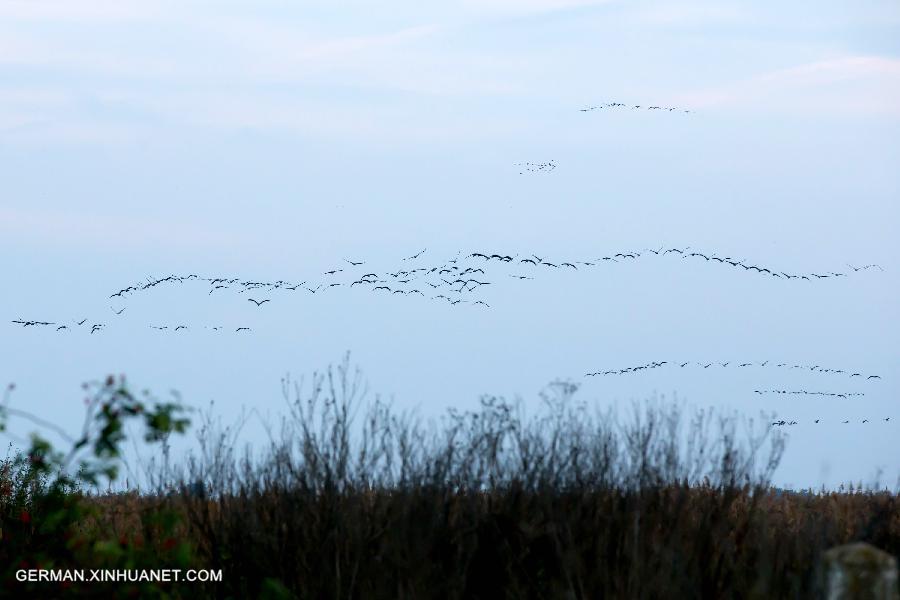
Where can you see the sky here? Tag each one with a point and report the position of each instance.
(273, 140)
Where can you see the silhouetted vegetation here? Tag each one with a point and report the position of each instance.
(355, 500)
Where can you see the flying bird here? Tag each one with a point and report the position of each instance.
(258, 302)
(416, 255)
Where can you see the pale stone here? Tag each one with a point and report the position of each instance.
(860, 571)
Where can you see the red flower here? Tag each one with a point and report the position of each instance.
(25, 517)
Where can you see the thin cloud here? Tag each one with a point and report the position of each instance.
(691, 15)
(68, 228)
(80, 11)
(526, 6)
(863, 85)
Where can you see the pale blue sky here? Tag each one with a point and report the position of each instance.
(269, 140)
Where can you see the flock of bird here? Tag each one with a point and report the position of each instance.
(733, 364)
(460, 279)
(784, 423)
(547, 167)
(98, 327)
(456, 279)
(544, 167)
(94, 328)
(741, 365)
(807, 392)
(620, 105)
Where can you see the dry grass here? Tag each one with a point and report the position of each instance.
(567, 503)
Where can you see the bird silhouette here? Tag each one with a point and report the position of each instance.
(32, 323)
(258, 302)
